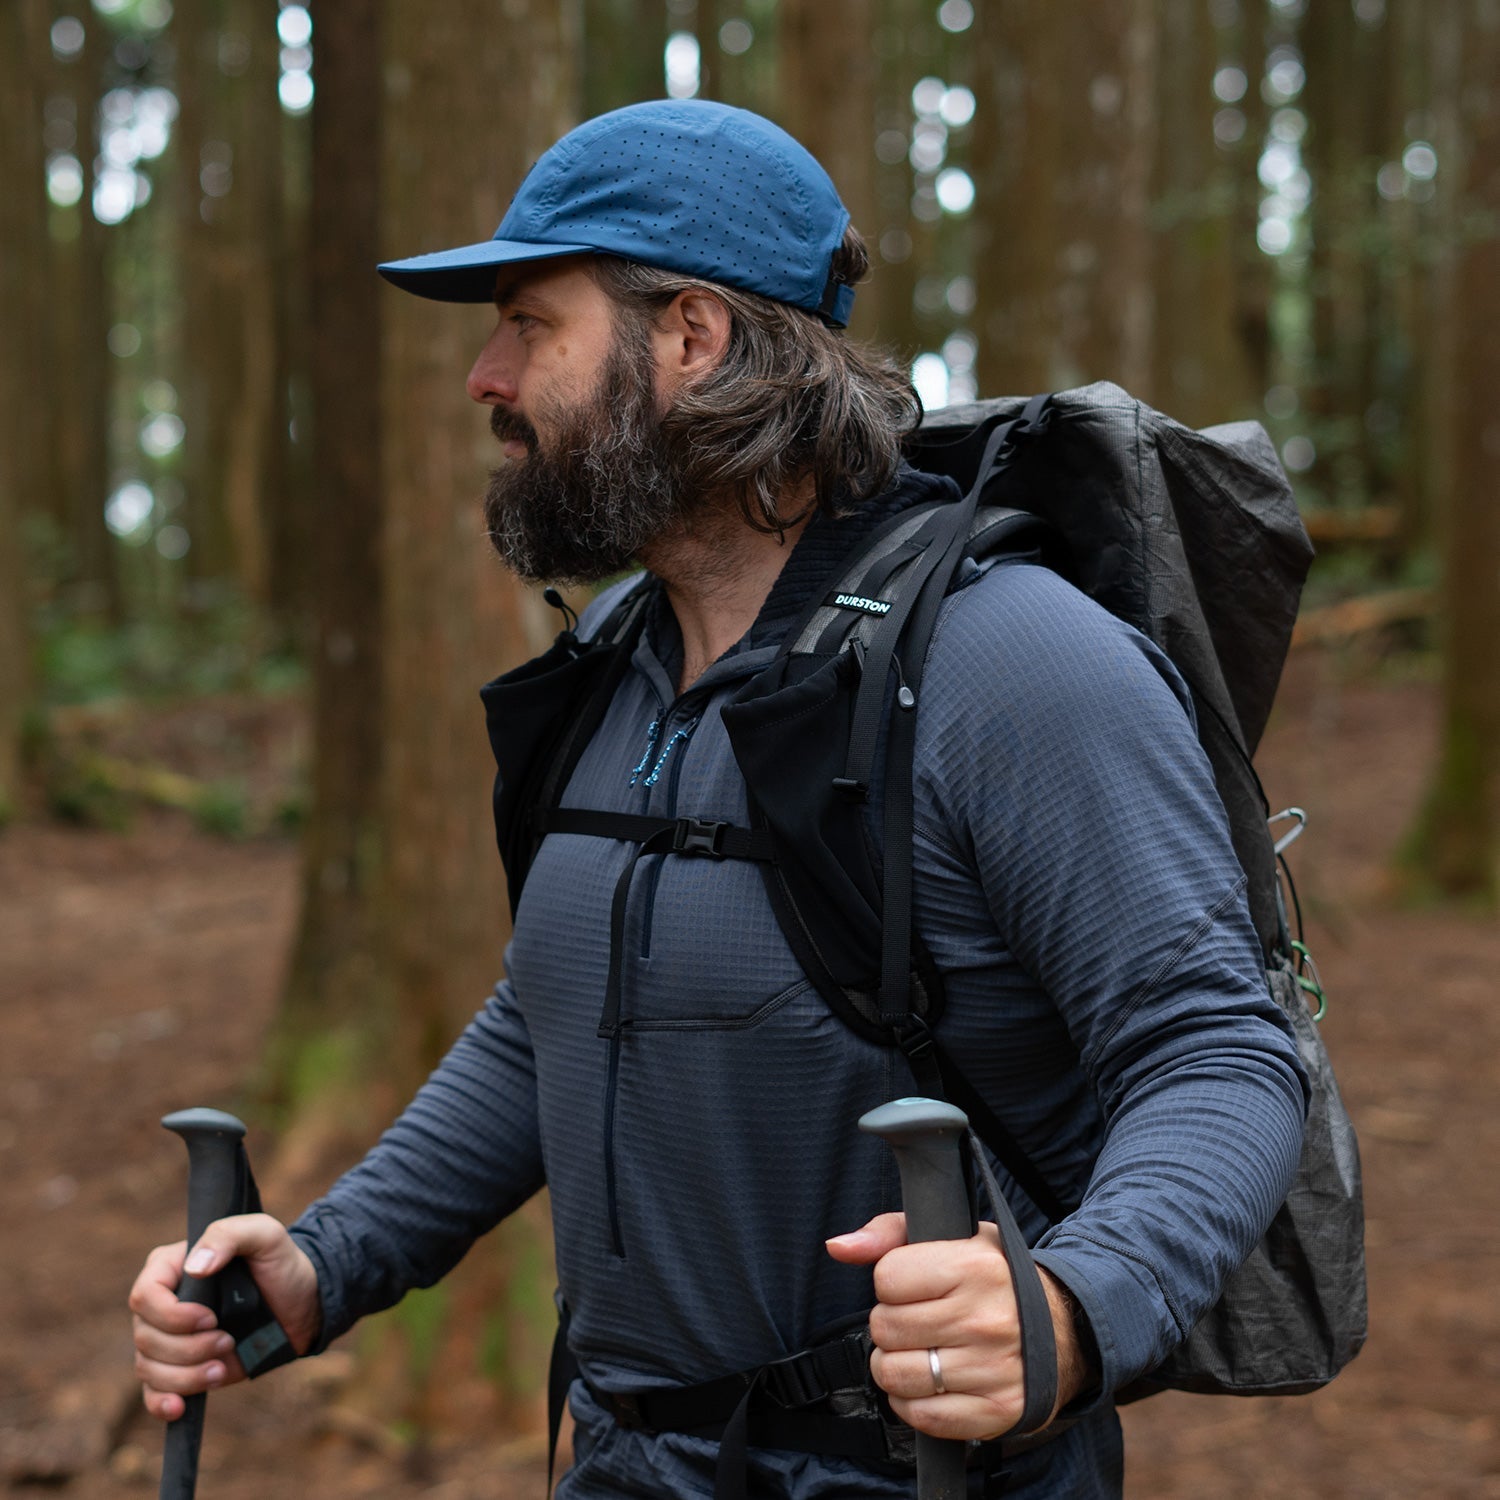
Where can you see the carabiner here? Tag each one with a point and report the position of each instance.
(1311, 982)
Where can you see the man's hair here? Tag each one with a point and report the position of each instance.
(791, 399)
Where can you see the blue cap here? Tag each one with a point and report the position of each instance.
(683, 184)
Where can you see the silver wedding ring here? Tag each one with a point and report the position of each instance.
(936, 1366)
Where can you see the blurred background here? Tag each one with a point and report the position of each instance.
(245, 606)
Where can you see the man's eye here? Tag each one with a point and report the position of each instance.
(521, 322)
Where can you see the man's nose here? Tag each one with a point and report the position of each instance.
(492, 381)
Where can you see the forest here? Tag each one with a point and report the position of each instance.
(246, 604)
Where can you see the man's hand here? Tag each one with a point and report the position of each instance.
(179, 1348)
(954, 1296)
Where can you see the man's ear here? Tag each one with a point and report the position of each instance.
(692, 335)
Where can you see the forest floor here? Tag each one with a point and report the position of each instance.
(138, 970)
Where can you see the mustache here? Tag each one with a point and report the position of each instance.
(511, 427)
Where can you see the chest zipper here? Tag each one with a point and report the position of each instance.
(653, 870)
(613, 1024)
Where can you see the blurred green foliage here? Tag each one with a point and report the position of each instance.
(222, 647)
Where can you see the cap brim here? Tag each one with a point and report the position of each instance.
(467, 274)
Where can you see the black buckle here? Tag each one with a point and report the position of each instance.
(915, 1038)
(699, 836)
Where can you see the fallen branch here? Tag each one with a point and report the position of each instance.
(1334, 623)
(151, 783)
(1331, 528)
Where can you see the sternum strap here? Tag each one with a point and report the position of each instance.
(700, 836)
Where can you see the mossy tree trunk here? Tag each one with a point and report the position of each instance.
(23, 278)
(1457, 842)
(404, 915)
(334, 1024)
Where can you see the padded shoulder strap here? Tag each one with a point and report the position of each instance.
(875, 581)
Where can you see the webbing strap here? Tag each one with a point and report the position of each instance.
(802, 1432)
(769, 1407)
(701, 836)
(1038, 1341)
(920, 612)
(796, 1382)
(909, 627)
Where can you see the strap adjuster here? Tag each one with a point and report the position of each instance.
(814, 1374)
(699, 836)
(915, 1037)
(794, 1381)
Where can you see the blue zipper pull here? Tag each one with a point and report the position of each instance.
(651, 737)
(681, 734)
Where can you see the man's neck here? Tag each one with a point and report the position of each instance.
(717, 574)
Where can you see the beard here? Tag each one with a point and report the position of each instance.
(580, 507)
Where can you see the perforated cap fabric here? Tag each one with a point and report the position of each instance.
(684, 184)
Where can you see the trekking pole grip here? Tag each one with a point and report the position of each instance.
(925, 1137)
(215, 1149)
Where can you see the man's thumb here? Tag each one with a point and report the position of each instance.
(864, 1246)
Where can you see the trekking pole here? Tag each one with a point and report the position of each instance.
(215, 1179)
(925, 1134)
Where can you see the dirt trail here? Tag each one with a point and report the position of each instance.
(137, 971)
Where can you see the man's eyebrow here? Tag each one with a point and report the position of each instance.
(517, 290)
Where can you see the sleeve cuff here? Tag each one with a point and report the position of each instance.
(329, 1300)
(1132, 1326)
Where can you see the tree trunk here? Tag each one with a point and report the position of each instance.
(233, 289)
(1457, 844)
(1064, 140)
(903, 248)
(1346, 105)
(202, 383)
(452, 617)
(255, 430)
(335, 1021)
(1254, 274)
(1201, 370)
(404, 918)
(23, 278)
(706, 34)
(79, 417)
(624, 43)
(836, 125)
(1411, 285)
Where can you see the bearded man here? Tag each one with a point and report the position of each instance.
(671, 387)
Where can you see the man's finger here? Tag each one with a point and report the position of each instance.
(163, 1405)
(934, 1269)
(907, 1373)
(181, 1349)
(153, 1297)
(866, 1245)
(188, 1380)
(247, 1235)
(962, 1418)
